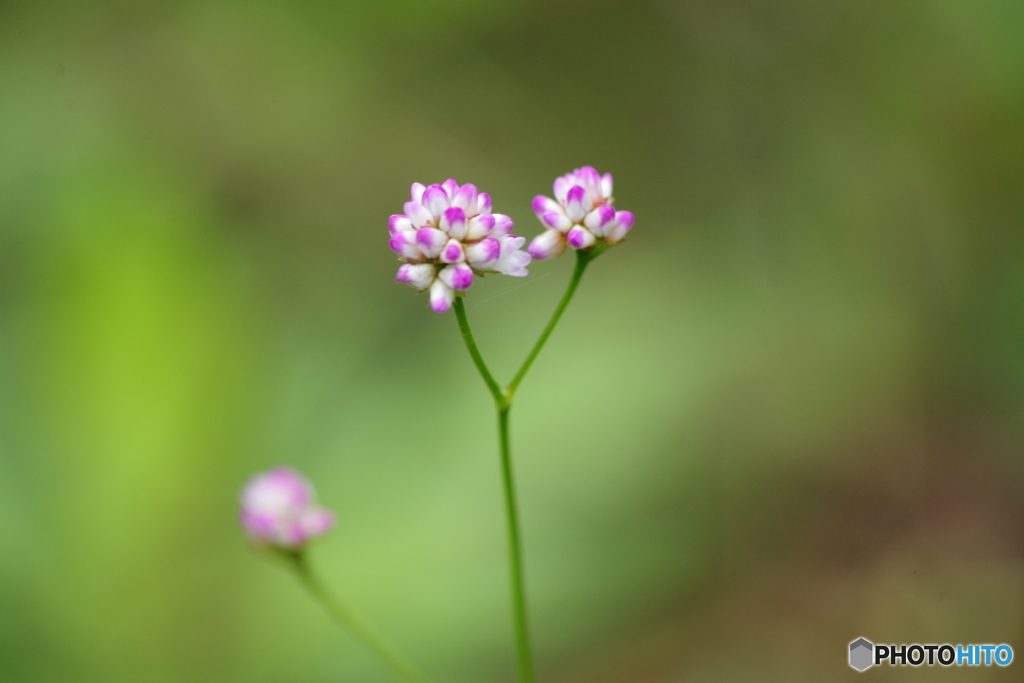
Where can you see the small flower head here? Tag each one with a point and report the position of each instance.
(278, 510)
(448, 236)
(581, 215)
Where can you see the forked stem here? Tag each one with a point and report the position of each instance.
(503, 404)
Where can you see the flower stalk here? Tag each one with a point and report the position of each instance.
(345, 617)
(503, 405)
(583, 259)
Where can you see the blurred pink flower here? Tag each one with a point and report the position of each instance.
(278, 510)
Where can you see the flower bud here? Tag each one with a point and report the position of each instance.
(441, 296)
(484, 254)
(453, 252)
(431, 241)
(623, 224)
(548, 244)
(580, 238)
(418, 275)
(459, 277)
(278, 510)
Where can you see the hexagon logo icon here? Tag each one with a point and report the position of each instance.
(861, 654)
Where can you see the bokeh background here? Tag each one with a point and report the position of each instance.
(786, 413)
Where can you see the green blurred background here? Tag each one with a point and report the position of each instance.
(786, 413)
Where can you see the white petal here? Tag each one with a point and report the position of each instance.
(418, 214)
(466, 199)
(483, 203)
(479, 227)
(453, 222)
(514, 264)
(417, 191)
(548, 244)
(502, 225)
(590, 179)
(404, 244)
(400, 223)
(600, 220)
(623, 224)
(562, 186)
(580, 238)
(435, 199)
(556, 220)
(418, 275)
(484, 254)
(577, 203)
(510, 243)
(441, 296)
(542, 204)
(451, 187)
(430, 241)
(316, 521)
(453, 252)
(459, 276)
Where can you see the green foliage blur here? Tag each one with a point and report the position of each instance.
(785, 413)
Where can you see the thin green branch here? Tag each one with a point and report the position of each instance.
(346, 618)
(583, 258)
(515, 559)
(474, 352)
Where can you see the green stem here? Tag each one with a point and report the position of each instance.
(346, 618)
(515, 562)
(515, 557)
(474, 352)
(583, 258)
(503, 403)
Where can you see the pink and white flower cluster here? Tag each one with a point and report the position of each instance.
(278, 510)
(447, 235)
(580, 215)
